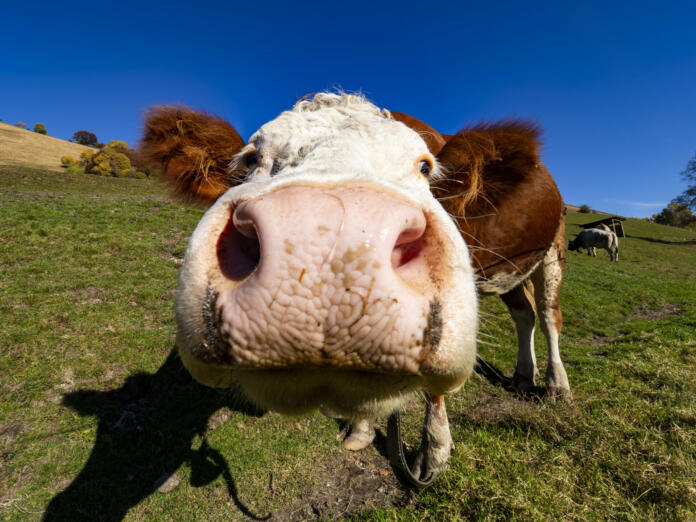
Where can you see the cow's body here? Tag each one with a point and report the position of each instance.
(592, 238)
(326, 275)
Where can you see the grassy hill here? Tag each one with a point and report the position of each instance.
(95, 409)
(24, 147)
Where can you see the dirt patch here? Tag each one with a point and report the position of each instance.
(600, 340)
(655, 312)
(349, 483)
(8, 436)
(89, 296)
(497, 410)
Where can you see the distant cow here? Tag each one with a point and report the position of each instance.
(592, 238)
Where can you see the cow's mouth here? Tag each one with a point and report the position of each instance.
(217, 347)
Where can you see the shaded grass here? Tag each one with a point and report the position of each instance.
(94, 408)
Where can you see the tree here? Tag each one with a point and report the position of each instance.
(688, 197)
(84, 137)
(676, 215)
(40, 128)
(585, 209)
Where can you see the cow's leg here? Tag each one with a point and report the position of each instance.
(547, 279)
(436, 445)
(522, 312)
(360, 436)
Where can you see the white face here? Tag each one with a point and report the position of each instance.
(356, 141)
(363, 288)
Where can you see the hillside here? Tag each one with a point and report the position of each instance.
(24, 147)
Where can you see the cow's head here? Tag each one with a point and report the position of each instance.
(325, 273)
(574, 244)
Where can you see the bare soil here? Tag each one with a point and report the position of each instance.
(350, 483)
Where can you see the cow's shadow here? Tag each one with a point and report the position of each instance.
(496, 377)
(146, 430)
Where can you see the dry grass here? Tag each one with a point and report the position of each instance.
(24, 147)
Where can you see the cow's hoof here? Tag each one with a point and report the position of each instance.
(361, 436)
(523, 384)
(559, 393)
(557, 386)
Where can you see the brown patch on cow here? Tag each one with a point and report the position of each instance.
(432, 333)
(430, 136)
(349, 483)
(501, 196)
(194, 150)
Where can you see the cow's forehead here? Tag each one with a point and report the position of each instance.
(338, 128)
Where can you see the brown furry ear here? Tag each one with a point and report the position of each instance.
(484, 163)
(500, 195)
(432, 138)
(194, 150)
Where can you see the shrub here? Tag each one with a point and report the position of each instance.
(67, 160)
(140, 163)
(585, 209)
(84, 137)
(86, 157)
(40, 128)
(108, 162)
(74, 168)
(140, 175)
(21, 125)
(676, 215)
(118, 145)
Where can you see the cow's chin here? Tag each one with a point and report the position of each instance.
(348, 394)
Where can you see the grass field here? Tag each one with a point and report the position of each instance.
(21, 147)
(96, 408)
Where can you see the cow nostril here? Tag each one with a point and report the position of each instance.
(409, 246)
(238, 249)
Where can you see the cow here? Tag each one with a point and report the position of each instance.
(591, 238)
(339, 263)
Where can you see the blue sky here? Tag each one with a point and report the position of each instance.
(612, 84)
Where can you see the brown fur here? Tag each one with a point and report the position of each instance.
(432, 138)
(493, 174)
(194, 150)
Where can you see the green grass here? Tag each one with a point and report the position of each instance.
(94, 408)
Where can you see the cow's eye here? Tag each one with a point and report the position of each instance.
(425, 167)
(251, 160)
